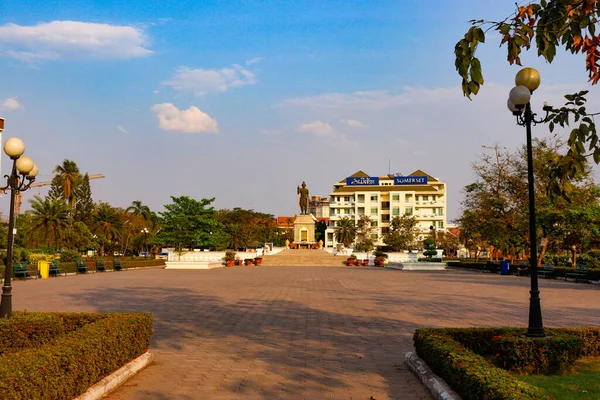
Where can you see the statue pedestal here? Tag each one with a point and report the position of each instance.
(304, 230)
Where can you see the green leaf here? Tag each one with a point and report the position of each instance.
(504, 29)
(476, 71)
(479, 34)
(551, 126)
(550, 52)
(474, 87)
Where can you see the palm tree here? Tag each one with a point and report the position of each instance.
(49, 216)
(107, 222)
(69, 178)
(140, 210)
(345, 231)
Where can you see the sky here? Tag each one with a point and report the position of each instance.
(243, 100)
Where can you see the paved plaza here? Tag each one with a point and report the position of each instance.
(298, 332)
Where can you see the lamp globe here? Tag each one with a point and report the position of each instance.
(14, 147)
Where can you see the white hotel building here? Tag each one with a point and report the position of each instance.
(385, 197)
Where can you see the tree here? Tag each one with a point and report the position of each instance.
(546, 25)
(345, 231)
(188, 223)
(495, 211)
(429, 246)
(107, 223)
(364, 229)
(84, 207)
(246, 228)
(447, 242)
(50, 217)
(402, 232)
(69, 179)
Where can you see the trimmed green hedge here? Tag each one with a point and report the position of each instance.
(55, 365)
(71, 267)
(475, 361)
(559, 272)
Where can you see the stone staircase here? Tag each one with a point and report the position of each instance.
(302, 257)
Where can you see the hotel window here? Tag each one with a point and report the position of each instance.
(425, 198)
(361, 198)
(374, 236)
(374, 210)
(374, 223)
(409, 211)
(347, 198)
(396, 197)
(396, 211)
(374, 198)
(432, 198)
(408, 198)
(440, 224)
(347, 211)
(440, 211)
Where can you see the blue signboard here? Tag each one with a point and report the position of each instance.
(363, 181)
(410, 180)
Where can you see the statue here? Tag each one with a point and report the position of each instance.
(303, 198)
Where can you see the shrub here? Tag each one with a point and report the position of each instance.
(69, 256)
(473, 360)
(594, 253)
(93, 346)
(229, 255)
(379, 253)
(34, 258)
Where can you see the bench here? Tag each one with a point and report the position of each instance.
(117, 265)
(21, 270)
(523, 269)
(55, 269)
(100, 267)
(492, 267)
(547, 271)
(82, 267)
(580, 273)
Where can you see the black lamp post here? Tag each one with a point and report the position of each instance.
(527, 80)
(22, 176)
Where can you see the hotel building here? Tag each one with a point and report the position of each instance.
(385, 197)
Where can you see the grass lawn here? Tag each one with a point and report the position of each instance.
(583, 383)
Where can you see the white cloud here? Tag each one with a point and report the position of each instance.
(192, 120)
(353, 123)
(122, 130)
(317, 128)
(203, 81)
(73, 39)
(10, 103)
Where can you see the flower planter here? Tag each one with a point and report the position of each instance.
(359, 263)
(350, 261)
(238, 262)
(248, 261)
(229, 263)
(365, 262)
(257, 260)
(378, 263)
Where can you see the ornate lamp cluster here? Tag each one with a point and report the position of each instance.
(22, 176)
(527, 80)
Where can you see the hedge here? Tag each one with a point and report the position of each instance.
(65, 365)
(559, 272)
(475, 362)
(71, 267)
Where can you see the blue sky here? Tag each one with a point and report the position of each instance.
(243, 100)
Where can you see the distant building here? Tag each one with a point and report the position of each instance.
(384, 197)
(319, 207)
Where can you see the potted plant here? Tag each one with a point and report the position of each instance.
(257, 260)
(229, 258)
(359, 262)
(380, 258)
(238, 261)
(248, 261)
(351, 260)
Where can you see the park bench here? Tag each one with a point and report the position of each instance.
(547, 271)
(100, 267)
(21, 270)
(523, 269)
(117, 265)
(55, 269)
(580, 273)
(492, 267)
(82, 267)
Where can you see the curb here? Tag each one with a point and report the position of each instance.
(436, 385)
(117, 378)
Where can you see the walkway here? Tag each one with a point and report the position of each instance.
(302, 257)
(298, 332)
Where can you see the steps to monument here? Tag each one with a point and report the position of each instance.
(302, 257)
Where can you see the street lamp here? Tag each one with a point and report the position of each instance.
(22, 176)
(145, 232)
(432, 229)
(526, 81)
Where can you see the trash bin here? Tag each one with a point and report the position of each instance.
(44, 268)
(504, 268)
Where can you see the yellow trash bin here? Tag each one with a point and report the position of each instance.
(44, 268)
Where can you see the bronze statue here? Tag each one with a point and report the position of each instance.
(303, 198)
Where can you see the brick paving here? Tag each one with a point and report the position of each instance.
(298, 332)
